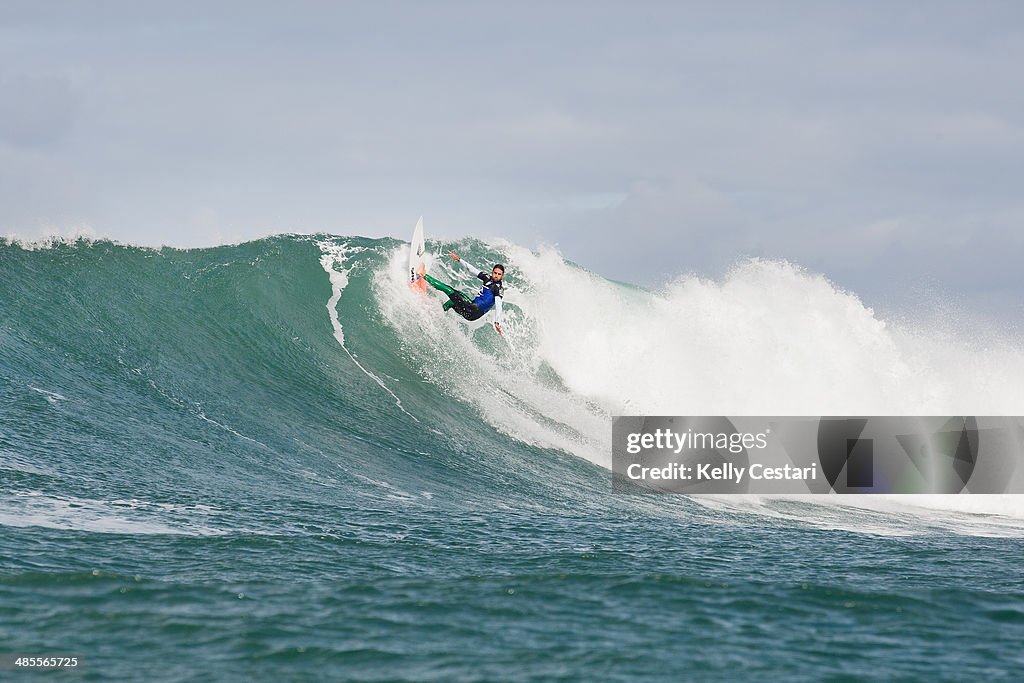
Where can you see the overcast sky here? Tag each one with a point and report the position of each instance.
(880, 143)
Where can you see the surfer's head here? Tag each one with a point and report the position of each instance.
(497, 272)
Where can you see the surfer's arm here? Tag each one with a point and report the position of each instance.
(497, 313)
(473, 270)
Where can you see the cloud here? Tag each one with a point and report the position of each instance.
(661, 228)
(843, 136)
(36, 111)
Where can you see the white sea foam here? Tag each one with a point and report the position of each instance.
(886, 515)
(769, 338)
(34, 509)
(48, 237)
(52, 397)
(470, 361)
(333, 261)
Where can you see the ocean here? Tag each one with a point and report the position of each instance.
(273, 462)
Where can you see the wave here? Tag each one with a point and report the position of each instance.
(307, 357)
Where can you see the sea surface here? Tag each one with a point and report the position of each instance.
(274, 462)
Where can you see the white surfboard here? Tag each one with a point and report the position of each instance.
(417, 259)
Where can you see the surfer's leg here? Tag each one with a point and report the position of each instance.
(437, 284)
(472, 312)
(462, 305)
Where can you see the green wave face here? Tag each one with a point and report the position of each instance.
(215, 374)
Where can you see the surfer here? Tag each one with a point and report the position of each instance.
(488, 298)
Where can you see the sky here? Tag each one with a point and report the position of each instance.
(879, 143)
